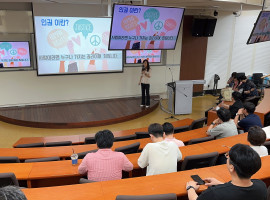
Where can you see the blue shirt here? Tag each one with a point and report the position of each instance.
(249, 121)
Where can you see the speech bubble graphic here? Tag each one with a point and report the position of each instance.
(22, 51)
(57, 38)
(13, 52)
(84, 26)
(170, 24)
(129, 22)
(6, 46)
(152, 14)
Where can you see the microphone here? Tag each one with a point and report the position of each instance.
(171, 73)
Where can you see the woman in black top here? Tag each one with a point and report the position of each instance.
(237, 104)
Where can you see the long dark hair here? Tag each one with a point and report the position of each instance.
(148, 66)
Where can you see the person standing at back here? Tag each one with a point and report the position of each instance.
(159, 157)
(145, 83)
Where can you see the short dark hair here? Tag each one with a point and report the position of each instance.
(243, 77)
(234, 74)
(224, 114)
(156, 130)
(104, 139)
(250, 107)
(168, 128)
(11, 193)
(237, 96)
(245, 160)
(256, 136)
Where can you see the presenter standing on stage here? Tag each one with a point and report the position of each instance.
(144, 82)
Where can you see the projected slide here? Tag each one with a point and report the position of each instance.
(261, 30)
(144, 27)
(137, 56)
(68, 45)
(14, 54)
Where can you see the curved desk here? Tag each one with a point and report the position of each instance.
(157, 184)
(79, 139)
(264, 107)
(65, 151)
(59, 172)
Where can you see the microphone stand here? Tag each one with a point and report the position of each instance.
(172, 116)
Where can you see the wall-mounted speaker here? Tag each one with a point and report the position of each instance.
(203, 26)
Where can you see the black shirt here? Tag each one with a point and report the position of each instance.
(235, 107)
(228, 191)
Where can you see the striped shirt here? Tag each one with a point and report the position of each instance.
(105, 165)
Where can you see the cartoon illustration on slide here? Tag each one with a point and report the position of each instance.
(144, 28)
(79, 45)
(262, 29)
(14, 54)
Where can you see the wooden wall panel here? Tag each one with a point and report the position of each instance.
(193, 56)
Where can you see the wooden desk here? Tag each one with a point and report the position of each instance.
(264, 107)
(218, 145)
(59, 172)
(65, 151)
(157, 184)
(79, 139)
(91, 191)
(21, 171)
(108, 190)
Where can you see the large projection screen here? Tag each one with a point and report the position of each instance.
(75, 45)
(260, 31)
(145, 27)
(14, 54)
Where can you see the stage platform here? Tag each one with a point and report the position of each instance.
(78, 114)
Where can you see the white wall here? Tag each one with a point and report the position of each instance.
(25, 87)
(227, 50)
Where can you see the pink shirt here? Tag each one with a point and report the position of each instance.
(179, 143)
(105, 165)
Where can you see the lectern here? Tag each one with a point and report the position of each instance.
(180, 96)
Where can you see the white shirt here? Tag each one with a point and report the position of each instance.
(146, 79)
(160, 158)
(261, 150)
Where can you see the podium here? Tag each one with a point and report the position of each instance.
(180, 96)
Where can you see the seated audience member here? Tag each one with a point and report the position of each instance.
(236, 84)
(245, 117)
(168, 130)
(11, 193)
(160, 156)
(230, 82)
(256, 138)
(105, 164)
(237, 104)
(248, 87)
(223, 126)
(242, 163)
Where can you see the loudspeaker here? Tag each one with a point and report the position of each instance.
(203, 26)
(198, 25)
(210, 27)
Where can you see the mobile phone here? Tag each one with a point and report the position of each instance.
(197, 179)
